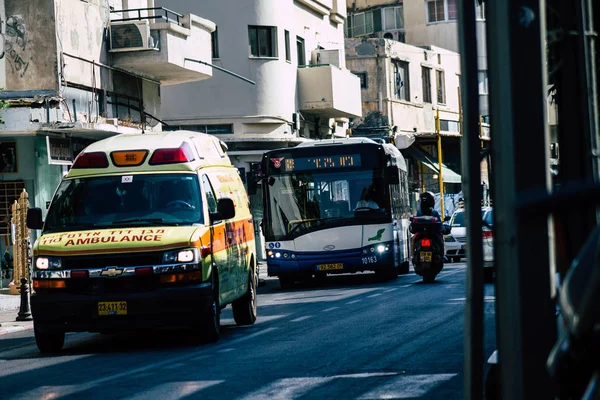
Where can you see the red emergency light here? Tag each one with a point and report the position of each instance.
(91, 160)
(180, 154)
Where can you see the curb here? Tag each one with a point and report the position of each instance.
(4, 330)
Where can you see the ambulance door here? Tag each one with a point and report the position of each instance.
(219, 240)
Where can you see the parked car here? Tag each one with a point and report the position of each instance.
(459, 232)
(453, 247)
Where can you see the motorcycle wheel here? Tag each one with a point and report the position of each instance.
(428, 277)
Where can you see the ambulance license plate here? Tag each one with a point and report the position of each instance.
(425, 256)
(112, 308)
(330, 267)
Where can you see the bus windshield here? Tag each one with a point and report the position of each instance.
(302, 202)
(125, 201)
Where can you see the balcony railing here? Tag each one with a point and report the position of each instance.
(159, 14)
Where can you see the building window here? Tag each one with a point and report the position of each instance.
(401, 84)
(393, 18)
(301, 50)
(263, 41)
(362, 23)
(441, 10)
(215, 43)
(449, 126)
(288, 54)
(441, 87)
(426, 72)
(483, 82)
(363, 79)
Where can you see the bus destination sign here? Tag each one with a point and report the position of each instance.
(321, 162)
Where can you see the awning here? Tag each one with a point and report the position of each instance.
(431, 162)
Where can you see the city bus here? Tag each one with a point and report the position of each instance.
(335, 206)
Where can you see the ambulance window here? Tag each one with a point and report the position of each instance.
(211, 198)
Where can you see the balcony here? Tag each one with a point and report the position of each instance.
(328, 91)
(161, 44)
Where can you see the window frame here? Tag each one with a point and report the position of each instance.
(363, 76)
(214, 41)
(401, 92)
(426, 72)
(255, 30)
(367, 28)
(288, 53)
(384, 19)
(301, 54)
(440, 89)
(449, 10)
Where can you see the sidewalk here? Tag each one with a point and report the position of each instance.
(9, 309)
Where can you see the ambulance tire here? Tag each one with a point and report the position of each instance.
(48, 342)
(244, 308)
(211, 326)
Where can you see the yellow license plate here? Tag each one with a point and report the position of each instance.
(329, 267)
(425, 256)
(112, 308)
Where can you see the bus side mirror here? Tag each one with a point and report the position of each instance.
(393, 175)
(34, 218)
(225, 210)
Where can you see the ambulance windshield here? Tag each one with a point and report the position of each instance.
(126, 201)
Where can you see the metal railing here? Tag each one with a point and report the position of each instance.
(158, 13)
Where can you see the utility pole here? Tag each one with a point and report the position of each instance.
(525, 313)
(439, 151)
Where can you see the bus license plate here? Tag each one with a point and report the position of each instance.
(112, 308)
(329, 267)
(426, 256)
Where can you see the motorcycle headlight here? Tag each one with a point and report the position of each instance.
(48, 263)
(182, 256)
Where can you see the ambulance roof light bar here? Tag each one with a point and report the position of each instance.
(180, 154)
(91, 160)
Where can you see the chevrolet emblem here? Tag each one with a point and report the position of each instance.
(111, 272)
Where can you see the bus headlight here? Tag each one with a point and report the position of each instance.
(182, 256)
(48, 263)
(382, 248)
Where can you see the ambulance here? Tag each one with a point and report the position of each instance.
(146, 230)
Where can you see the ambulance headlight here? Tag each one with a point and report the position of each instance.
(48, 263)
(181, 256)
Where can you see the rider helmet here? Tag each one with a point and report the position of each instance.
(427, 200)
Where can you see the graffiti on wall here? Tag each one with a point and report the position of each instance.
(14, 38)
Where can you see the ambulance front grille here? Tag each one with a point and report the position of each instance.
(113, 260)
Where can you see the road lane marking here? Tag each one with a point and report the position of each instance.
(301, 318)
(374, 295)
(174, 390)
(390, 290)
(288, 388)
(330, 309)
(408, 386)
(353, 302)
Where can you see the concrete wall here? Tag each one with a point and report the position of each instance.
(361, 4)
(28, 57)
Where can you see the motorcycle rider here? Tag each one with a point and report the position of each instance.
(427, 204)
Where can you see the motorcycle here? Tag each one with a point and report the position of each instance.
(428, 258)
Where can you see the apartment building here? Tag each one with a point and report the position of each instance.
(420, 23)
(293, 53)
(75, 71)
(405, 89)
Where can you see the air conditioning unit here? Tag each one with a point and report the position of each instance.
(332, 57)
(130, 36)
(393, 35)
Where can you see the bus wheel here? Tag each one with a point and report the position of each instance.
(244, 308)
(48, 342)
(211, 324)
(404, 268)
(286, 282)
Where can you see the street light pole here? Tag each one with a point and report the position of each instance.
(439, 150)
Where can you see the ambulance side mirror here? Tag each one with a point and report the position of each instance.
(34, 218)
(225, 210)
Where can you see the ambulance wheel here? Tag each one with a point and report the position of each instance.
(48, 342)
(244, 308)
(211, 327)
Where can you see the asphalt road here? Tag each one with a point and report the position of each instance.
(350, 338)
